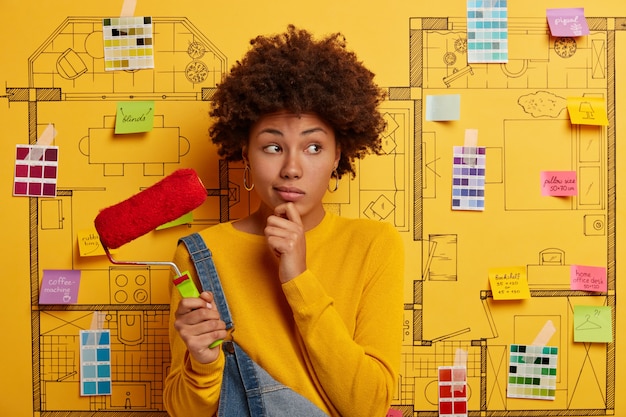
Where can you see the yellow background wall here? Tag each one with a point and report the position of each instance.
(380, 32)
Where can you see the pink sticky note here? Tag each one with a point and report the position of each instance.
(59, 287)
(558, 183)
(394, 413)
(568, 22)
(588, 278)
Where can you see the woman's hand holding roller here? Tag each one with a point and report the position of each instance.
(199, 324)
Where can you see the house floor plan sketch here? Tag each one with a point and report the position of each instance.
(519, 109)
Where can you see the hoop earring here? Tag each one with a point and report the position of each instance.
(246, 177)
(336, 175)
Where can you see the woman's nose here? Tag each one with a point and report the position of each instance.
(292, 168)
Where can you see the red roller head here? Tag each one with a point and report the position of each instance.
(175, 195)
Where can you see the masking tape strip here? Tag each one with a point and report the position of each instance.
(460, 360)
(546, 333)
(460, 357)
(97, 320)
(45, 139)
(470, 147)
(471, 137)
(128, 8)
(47, 136)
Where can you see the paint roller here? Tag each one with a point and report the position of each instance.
(170, 198)
(173, 196)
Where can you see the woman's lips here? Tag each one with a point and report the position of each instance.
(289, 193)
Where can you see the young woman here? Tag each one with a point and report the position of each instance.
(316, 298)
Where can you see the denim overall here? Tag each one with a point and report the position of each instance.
(247, 389)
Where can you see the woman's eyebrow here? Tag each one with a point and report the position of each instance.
(270, 130)
(313, 130)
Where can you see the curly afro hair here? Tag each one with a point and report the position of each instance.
(294, 72)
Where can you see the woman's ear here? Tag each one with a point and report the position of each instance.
(244, 155)
(337, 156)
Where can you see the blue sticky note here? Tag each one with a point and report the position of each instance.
(442, 108)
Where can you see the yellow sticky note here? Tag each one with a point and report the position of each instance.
(593, 324)
(89, 243)
(184, 219)
(587, 111)
(134, 117)
(509, 283)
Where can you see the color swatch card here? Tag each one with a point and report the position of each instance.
(95, 362)
(468, 178)
(36, 169)
(127, 43)
(487, 31)
(452, 391)
(532, 372)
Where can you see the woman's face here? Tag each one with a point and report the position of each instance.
(291, 159)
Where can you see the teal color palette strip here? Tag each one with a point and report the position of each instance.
(95, 362)
(487, 31)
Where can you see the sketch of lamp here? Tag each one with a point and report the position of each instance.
(587, 108)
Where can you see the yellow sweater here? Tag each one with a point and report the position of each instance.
(333, 334)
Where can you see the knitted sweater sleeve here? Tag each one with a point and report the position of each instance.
(356, 370)
(191, 388)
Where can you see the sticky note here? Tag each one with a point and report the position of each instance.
(588, 278)
(134, 117)
(184, 219)
(89, 243)
(59, 287)
(567, 22)
(509, 283)
(558, 183)
(593, 324)
(587, 111)
(394, 413)
(443, 107)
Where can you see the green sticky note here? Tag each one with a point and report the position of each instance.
(593, 324)
(184, 219)
(134, 117)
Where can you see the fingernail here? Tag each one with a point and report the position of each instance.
(209, 305)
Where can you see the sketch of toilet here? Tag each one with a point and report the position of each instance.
(130, 327)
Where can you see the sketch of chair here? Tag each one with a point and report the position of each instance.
(552, 256)
(70, 65)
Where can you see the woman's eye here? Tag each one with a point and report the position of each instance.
(272, 149)
(314, 148)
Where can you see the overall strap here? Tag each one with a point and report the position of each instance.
(205, 268)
